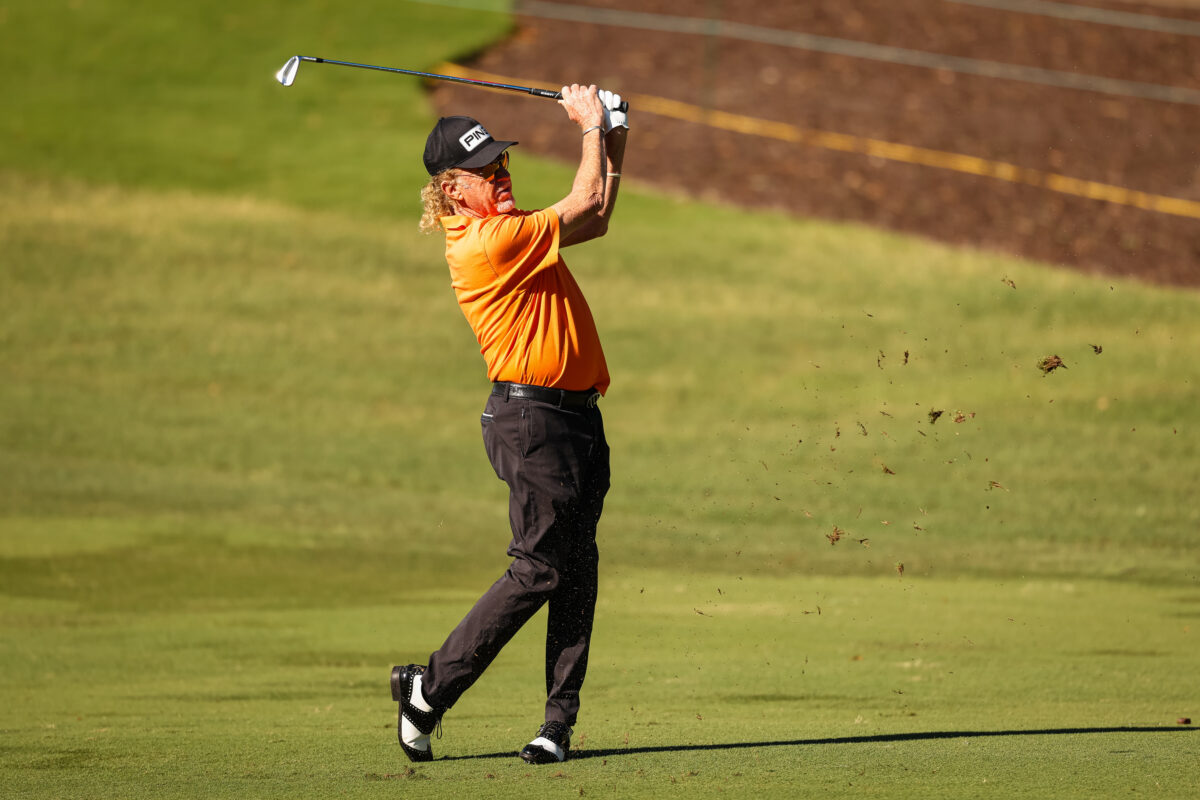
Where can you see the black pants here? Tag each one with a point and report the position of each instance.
(555, 462)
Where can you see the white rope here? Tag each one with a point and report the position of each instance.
(846, 47)
(855, 49)
(1101, 16)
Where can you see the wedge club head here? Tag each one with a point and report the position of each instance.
(287, 73)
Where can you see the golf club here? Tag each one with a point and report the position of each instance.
(287, 76)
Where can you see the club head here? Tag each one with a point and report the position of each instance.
(287, 74)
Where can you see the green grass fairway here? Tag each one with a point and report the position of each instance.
(230, 505)
(929, 688)
(858, 543)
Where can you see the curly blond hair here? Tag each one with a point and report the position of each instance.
(435, 202)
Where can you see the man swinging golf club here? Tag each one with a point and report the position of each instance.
(541, 426)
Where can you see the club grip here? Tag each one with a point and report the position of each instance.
(558, 96)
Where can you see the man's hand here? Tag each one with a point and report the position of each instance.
(583, 106)
(613, 116)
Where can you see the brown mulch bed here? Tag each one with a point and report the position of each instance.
(1146, 145)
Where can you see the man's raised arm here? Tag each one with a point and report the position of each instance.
(579, 208)
(616, 133)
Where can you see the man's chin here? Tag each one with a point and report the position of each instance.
(506, 206)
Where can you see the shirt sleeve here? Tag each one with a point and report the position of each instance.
(520, 244)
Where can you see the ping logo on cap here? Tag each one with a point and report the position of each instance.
(473, 138)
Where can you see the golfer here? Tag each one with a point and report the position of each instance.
(541, 426)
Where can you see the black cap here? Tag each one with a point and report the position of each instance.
(460, 142)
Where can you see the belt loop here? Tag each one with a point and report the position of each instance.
(562, 397)
(507, 390)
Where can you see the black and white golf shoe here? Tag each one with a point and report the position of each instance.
(414, 723)
(552, 745)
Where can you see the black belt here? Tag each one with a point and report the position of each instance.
(543, 394)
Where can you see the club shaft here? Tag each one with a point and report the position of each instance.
(453, 78)
(474, 82)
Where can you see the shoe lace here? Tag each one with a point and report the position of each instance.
(555, 731)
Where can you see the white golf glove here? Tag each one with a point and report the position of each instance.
(613, 118)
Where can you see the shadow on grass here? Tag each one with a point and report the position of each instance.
(885, 737)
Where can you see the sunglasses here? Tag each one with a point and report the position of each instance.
(488, 171)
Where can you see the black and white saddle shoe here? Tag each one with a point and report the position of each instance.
(552, 745)
(414, 724)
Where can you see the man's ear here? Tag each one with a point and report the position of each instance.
(451, 190)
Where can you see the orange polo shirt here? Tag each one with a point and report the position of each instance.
(528, 313)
